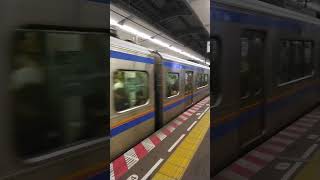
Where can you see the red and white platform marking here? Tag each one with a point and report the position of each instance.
(249, 165)
(122, 164)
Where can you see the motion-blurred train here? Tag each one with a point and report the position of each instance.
(147, 90)
(265, 74)
(53, 89)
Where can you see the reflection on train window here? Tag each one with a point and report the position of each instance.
(58, 90)
(172, 84)
(296, 60)
(130, 89)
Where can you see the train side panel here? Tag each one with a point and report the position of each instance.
(30, 17)
(131, 121)
(173, 93)
(282, 102)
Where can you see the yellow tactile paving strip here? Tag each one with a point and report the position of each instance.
(311, 170)
(178, 162)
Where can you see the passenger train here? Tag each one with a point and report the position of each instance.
(265, 74)
(147, 90)
(53, 89)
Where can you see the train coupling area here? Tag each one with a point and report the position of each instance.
(179, 150)
(293, 153)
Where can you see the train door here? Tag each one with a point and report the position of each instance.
(251, 86)
(188, 92)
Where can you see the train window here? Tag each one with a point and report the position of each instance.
(244, 68)
(284, 61)
(58, 89)
(296, 60)
(205, 79)
(308, 58)
(202, 80)
(130, 89)
(172, 84)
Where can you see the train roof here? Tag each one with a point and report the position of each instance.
(267, 8)
(116, 43)
(183, 61)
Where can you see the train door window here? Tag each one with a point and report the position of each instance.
(130, 89)
(257, 50)
(202, 80)
(205, 79)
(199, 80)
(308, 58)
(285, 54)
(244, 68)
(173, 84)
(58, 89)
(251, 66)
(188, 82)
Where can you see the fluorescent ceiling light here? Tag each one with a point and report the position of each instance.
(156, 41)
(135, 32)
(175, 49)
(161, 43)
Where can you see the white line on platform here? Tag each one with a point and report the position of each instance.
(291, 171)
(154, 167)
(305, 155)
(176, 143)
(202, 114)
(309, 151)
(190, 127)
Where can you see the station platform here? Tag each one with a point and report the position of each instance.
(293, 153)
(180, 150)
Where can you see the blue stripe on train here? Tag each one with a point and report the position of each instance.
(120, 129)
(234, 124)
(101, 1)
(100, 176)
(224, 15)
(174, 65)
(130, 57)
(166, 63)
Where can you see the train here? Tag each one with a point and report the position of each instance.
(265, 74)
(147, 90)
(53, 89)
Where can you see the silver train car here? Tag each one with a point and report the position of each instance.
(53, 89)
(265, 74)
(147, 90)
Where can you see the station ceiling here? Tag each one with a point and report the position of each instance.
(176, 18)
